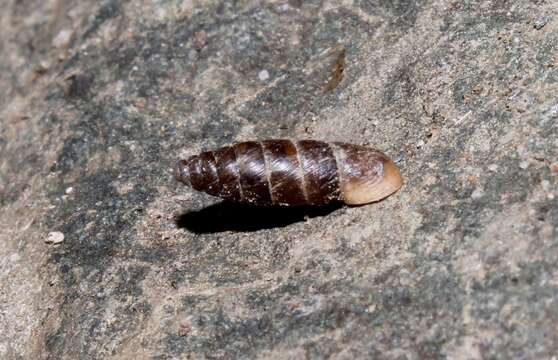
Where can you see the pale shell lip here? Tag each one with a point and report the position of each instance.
(364, 192)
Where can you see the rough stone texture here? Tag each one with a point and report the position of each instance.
(99, 98)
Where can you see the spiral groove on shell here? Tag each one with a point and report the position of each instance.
(285, 172)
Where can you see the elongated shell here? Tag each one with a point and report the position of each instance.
(285, 172)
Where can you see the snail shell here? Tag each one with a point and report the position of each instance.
(285, 172)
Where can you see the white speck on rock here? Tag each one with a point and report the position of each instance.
(62, 39)
(547, 187)
(540, 22)
(553, 111)
(263, 75)
(69, 190)
(54, 237)
(477, 194)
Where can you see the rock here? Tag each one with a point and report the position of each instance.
(477, 194)
(104, 96)
(540, 22)
(62, 39)
(55, 237)
(263, 75)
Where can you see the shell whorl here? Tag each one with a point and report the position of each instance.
(285, 172)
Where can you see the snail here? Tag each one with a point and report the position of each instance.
(289, 173)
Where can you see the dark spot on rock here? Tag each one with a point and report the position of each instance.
(107, 11)
(79, 85)
(199, 40)
(123, 58)
(53, 340)
(542, 212)
(336, 71)
(72, 61)
(296, 3)
(401, 88)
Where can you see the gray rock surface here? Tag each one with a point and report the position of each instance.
(99, 98)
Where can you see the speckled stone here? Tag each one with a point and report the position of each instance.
(102, 97)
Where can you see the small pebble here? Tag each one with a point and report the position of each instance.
(524, 165)
(55, 237)
(200, 40)
(283, 7)
(399, 158)
(263, 75)
(69, 190)
(493, 167)
(477, 194)
(540, 22)
(429, 180)
(184, 329)
(62, 39)
(44, 65)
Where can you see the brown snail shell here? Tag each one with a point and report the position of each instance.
(286, 172)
